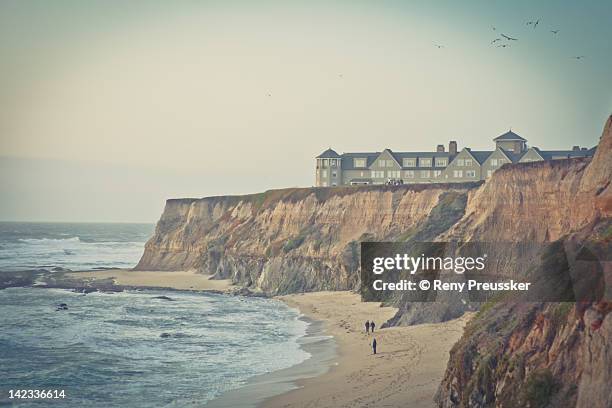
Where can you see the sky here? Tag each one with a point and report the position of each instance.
(111, 107)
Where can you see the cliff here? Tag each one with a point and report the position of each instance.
(517, 353)
(295, 240)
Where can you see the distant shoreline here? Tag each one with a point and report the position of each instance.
(115, 280)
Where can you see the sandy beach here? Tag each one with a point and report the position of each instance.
(182, 280)
(405, 372)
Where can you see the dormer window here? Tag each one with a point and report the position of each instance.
(424, 162)
(359, 162)
(441, 162)
(409, 162)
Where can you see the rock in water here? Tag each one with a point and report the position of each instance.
(164, 298)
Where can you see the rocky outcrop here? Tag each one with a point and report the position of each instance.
(517, 353)
(296, 240)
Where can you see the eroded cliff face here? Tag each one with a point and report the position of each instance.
(296, 240)
(517, 353)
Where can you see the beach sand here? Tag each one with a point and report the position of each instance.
(183, 280)
(405, 372)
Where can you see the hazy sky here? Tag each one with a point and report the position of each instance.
(108, 108)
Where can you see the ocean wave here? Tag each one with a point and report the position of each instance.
(48, 240)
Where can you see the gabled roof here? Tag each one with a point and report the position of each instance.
(480, 155)
(510, 135)
(537, 150)
(398, 162)
(328, 154)
(514, 157)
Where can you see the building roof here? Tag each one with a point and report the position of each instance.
(398, 156)
(348, 164)
(328, 154)
(549, 154)
(514, 157)
(480, 155)
(508, 136)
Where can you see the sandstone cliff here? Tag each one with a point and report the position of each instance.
(295, 240)
(517, 353)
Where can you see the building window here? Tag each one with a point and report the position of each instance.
(425, 173)
(441, 162)
(468, 162)
(359, 162)
(470, 173)
(393, 174)
(489, 172)
(378, 174)
(437, 173)
(409, 162)
(493, 162)
(382, 163)
(460, 162)
(424, 162)
(409, 174)
(323, 173)
(334, 174)
(457, 173)
(324, 184)
(334, 162)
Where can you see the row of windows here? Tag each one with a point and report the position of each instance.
(468, 173)
(409, 174)
(412, 162)
(328, 162)
(323, 173)
(406, 162)
(423, 162)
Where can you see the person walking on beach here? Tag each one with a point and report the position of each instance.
(374, 345)
(372, 325)
(367, 325)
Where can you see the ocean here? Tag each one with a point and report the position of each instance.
(147, 348)
(76, 246)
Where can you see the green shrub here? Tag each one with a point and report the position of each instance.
(293, 243)
(539, 388)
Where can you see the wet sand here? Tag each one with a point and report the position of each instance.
(181, 280)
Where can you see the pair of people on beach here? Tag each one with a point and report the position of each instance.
(370, 325)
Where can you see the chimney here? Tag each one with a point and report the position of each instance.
(440, 148)
(576, 148)
(452, 147)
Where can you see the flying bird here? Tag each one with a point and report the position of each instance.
(503, 45)
(554, 31)
(439, 46)
(493, 27)
(496, 40)
(509, 38)
(579, 57)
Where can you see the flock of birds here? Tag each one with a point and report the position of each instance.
(505, 41)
